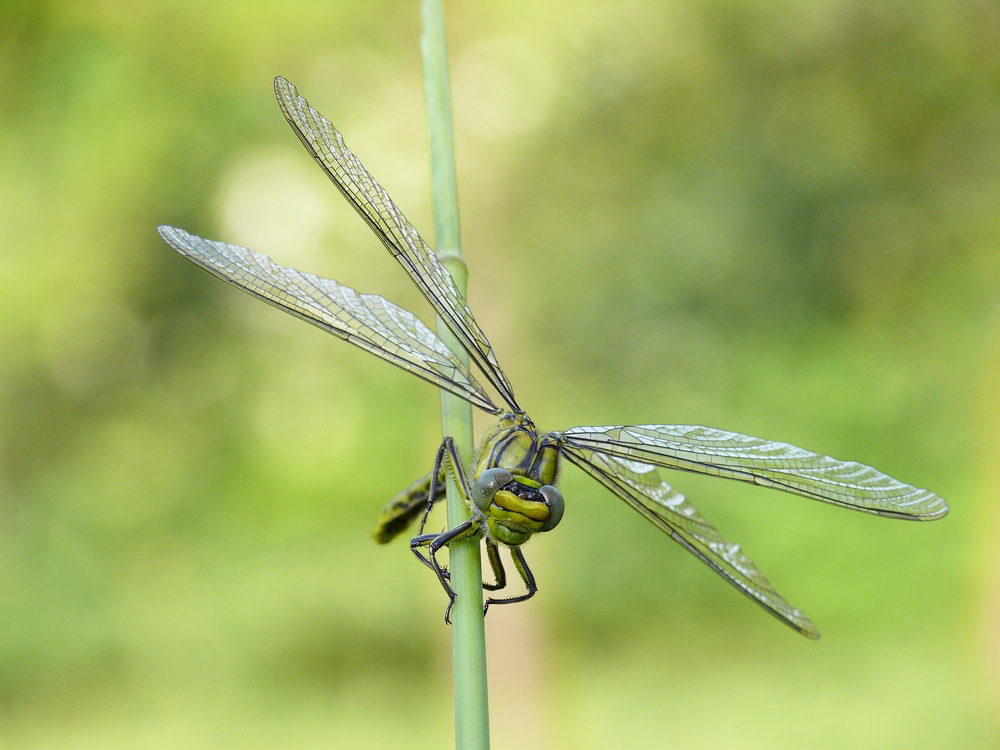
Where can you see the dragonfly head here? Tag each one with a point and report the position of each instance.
(516, 507)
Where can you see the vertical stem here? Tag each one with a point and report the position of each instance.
(472, 728)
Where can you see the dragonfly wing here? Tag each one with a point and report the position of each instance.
(366, 320)
(372, 202)
(640, 486)
(705, 450)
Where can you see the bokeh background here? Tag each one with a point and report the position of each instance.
(781, 218)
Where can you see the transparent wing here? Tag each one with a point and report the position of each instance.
(366, 320)
(640, 486)
(705, 450)
(372, 202)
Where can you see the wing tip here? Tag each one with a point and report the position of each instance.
(811, 632)
(794, 619)
(932, 508)
(935, 515)
(940, 512)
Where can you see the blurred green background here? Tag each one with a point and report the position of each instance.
(781, 218)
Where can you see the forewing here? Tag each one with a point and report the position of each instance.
(640, 486)
(372, 202)
(705, 450)
(366, 320)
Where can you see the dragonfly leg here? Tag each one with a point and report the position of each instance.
(434, 543)
(447, 460)
(499, 574)
(417, 544)
(526, 575)
(433, 492)
(437, 478)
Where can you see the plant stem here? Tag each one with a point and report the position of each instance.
(472, 722)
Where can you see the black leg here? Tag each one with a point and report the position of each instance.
(422, 539)
(499, 574)
(437, 480)
(529, 580)
(447, 460)
(434, 543)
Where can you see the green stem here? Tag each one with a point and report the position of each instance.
(472, 721)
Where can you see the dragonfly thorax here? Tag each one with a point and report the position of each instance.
(514, 444)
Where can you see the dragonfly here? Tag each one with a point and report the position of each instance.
(510, 490)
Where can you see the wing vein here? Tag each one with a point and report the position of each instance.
(705, 450)
(401, 239)
(366, 320)
(640, 486)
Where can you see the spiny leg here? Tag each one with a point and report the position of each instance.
(447, 460)
(492, 554)
(434, 543)
(499, 574)
(431, 489)
(437, 475)
(529, 581)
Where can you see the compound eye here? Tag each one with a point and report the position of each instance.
(553, 499)
(486, 486)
